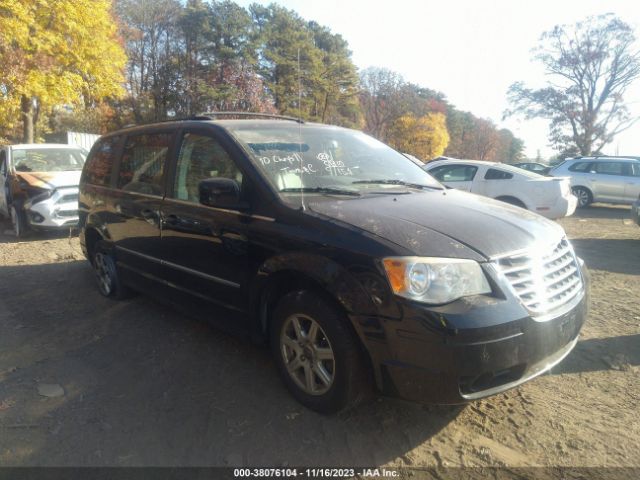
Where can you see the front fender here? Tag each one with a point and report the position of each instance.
(340, 283)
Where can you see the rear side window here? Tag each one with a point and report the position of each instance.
(610, 168)
(454, 173)
(580, 167)
(143, 160)
(99, 166)
(495, 174)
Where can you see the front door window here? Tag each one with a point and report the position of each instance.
(201, 157)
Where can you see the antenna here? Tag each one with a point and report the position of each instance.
(302, 207)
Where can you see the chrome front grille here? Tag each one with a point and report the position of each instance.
(543, 280)
(70, 197)
(67, 213)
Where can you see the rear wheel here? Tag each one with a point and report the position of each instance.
(317, 355)
(106, 272)
(584, 196)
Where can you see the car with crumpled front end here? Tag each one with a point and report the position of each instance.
(39, 185)
(344, 256)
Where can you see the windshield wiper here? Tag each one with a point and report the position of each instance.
(397, 182)
(328, 190)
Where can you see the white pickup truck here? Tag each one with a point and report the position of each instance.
(548, 196)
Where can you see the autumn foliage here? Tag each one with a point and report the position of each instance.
(97, 65)
(425, 137)
(57, 53)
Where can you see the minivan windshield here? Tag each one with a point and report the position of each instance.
(48, 159)
(324, 159)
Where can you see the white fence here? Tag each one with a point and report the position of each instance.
(84, 140)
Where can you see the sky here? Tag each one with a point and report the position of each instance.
(469, 50)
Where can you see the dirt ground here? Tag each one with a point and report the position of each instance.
(142, 385)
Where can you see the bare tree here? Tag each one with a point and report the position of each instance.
(592, 64)
(381, 99)
(149, 29)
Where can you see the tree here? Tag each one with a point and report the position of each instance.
(509, 149)
(150, 32)
(460, 126)
(425, 137)
(58, 53)
(289, 61)
(380, 99)
(592, 64)
(336, 88)
(482, 140)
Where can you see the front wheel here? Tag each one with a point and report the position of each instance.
(584, 196)
(317, 355)
(18, 221)
(106, 272)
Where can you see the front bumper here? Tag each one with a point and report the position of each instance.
(460, 362)
(56, 212)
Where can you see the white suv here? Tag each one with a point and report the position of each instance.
(39, 185)
(602, 179)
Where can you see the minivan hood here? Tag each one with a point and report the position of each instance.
(489, 227)
(51, 180)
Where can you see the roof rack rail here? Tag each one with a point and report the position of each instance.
(596, 157)
(214, 115)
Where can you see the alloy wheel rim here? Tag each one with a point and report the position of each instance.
(104, 273)
(307, 354)
(583, 197)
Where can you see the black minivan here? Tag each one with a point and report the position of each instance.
(355, 265)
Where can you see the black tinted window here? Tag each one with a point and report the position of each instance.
(580, 167)
(201, 157)
(610, 168)
(454, 173)
(99, 166)
(142, 165)
(495, 174)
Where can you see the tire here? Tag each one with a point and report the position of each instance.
(18, 221)
(106, 271)
(322, 366)
(585, 197)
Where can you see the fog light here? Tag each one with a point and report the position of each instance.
(36, 217)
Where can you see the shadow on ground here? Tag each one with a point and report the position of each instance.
(602, 211)
(7, 235)
(614, 255)
(611, 353)
(145, 385)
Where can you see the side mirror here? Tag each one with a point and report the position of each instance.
(219, 192)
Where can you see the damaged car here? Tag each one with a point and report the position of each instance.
(39, 186)
(356, 266)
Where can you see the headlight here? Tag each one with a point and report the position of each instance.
(40, 197)
(435, 280)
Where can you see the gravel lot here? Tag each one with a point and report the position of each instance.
(142, 385)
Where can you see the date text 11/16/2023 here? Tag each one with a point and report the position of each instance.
(287, 472)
